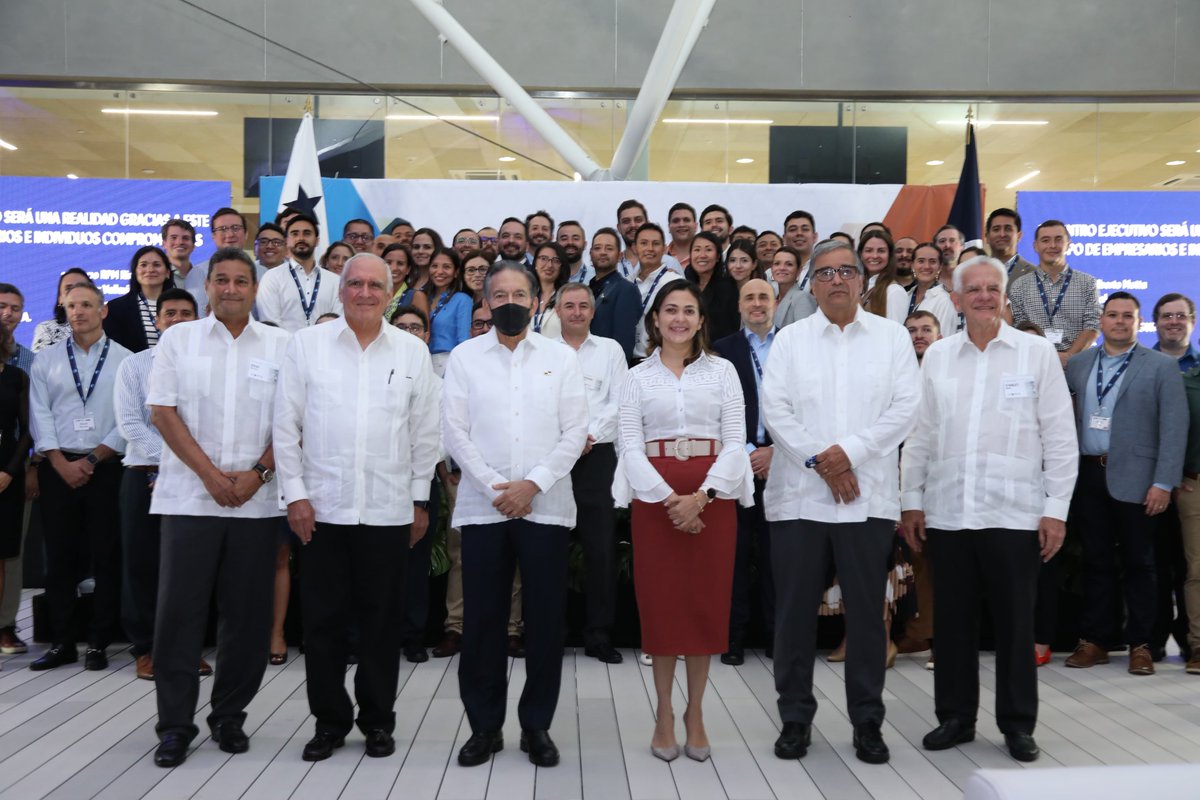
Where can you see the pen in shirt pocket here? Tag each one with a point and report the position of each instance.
(390, 374)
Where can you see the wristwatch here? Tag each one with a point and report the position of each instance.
(91, 459)
(421, 504)
(265, 473)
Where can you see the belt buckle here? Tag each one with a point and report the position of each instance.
(683, 449)
(1103, 461)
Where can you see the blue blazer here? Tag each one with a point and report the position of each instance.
(735, 349)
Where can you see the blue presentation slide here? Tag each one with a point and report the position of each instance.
(1144, 243)
(48, 225)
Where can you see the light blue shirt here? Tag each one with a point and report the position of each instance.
(1094, 442)
(55, 405)
(449, 322)
(761, 348)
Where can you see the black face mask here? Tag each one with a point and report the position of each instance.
(510, 318)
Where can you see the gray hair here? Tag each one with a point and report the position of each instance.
(387, 271)
(833, 245)
(574, 286)
(508, 266)
(1001, 271)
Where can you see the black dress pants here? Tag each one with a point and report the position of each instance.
(1001, 565)
(1170, 613)
(416, 578)
(82, 537)
(236, 558)
(489, 555)
(752, 531)
(592, 478)
(353, 573)
(139, 560)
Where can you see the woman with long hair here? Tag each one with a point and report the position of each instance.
(883, 296)
(399, 260)
(741, 262)
(682, 464)
(475, 268)
(336, 256)
(449, 307)
(53, 331)
(707, 270)
(552, 271)
(131, 317)
(927, 292)
(425, 244)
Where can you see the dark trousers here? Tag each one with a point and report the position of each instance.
(1112, 530)
(1002, 566)
(139, 560)
(799, 551)
(1170, 613)
(415, 614)
(592, 478)
(752, 531)
(490, 553)
(353, 573)
(236, 558)
(1045, 611)
(82, 537)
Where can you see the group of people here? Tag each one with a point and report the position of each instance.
(807, 399)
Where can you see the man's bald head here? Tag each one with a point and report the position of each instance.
(756, 304)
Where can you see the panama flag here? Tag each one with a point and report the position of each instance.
(302, 186)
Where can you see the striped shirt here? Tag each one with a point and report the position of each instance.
(149, 308)
(143, 442)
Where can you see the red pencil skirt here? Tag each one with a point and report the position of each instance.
(684, 581)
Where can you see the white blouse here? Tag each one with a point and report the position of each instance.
(706, 403)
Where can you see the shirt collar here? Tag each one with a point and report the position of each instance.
(1045, 276)
(531, 339)
(752, 337)
(859, 320)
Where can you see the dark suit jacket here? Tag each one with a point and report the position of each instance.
(1149, 421)
(735, 349)
(618, 310)
(124, 323)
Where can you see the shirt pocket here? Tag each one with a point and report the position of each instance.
(1013, 483)
(263, 391)
(195, 377)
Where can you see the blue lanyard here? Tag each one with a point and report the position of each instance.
(445, 298)
(582, 276)
(540, 314)
(757, 363)
(912, 300)
(1058, 300)
(807, 275)
(650, 294)
(308, 305)
(1101, 393)
(95, 373)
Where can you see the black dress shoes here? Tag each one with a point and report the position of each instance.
(321, 746)
(416, 654)
(380, 743)
(479, 748)
(1021, 746)
(868, 744)
(794, 740)
(604, 652)
(735, 656)
(230, 737)
(56, 656)
(95, 659)
(541, 749)
(172, 750)
(950, 733)
(516, 647)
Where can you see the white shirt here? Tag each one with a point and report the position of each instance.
(356, 431)
(857, 387)
(224, 391)
(897, 301)
(649, 289)
(58, 418)
(937, 301)
(995, 443)
(278, 299)
(143, 442)
(602, 362)
(706, 403)
(510, 415)
(629, 270)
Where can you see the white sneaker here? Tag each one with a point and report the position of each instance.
(646, 659)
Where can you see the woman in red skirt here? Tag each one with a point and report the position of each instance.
(683, 463)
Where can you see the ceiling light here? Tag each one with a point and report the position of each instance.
(1176, 163)
(698, 121)
(147, 171)
(7, 146)
(935, 163)
(745, 161)
(1023, 178)
(506, 159)
(445, 117)
(72, 176)
(983, 123)
(160, 112)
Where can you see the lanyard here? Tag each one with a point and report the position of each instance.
(307, 305)
(540, 314)
(912, 300)
(807, 275)
(95, 373)
(581, 277)
(757, 363)
(1101, 393)
(445, 298)
(650, 294)
(1058, 300)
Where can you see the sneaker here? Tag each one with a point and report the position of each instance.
(10, 643)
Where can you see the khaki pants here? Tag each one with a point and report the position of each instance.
(1189, 520)
(454, 590)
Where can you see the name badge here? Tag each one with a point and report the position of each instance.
(263, 370)
(1099, 423)
(1018, 386)
(1054, 336)
(591, 383)
(84, 423)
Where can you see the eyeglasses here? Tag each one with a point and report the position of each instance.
(480, 324)
(555, 260)
(414, 328)
(825, 274)
(358, 237)
(487, 240)
(475, 271)
(229, 229)
(268, 242)
(1169, 316)
(466, 240)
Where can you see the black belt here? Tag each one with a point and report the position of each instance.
(143, 467)
(1191, 476)
(1101, 461)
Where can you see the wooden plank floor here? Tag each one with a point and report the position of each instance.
(72, 734)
